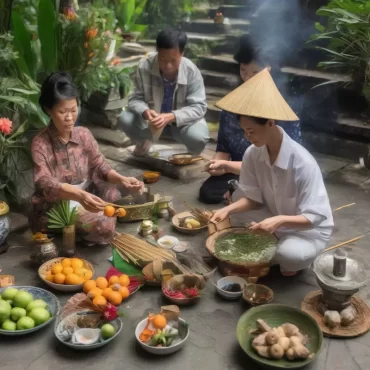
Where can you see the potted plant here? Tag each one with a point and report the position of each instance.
(63, 217)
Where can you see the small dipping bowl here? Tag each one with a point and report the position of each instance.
(151, 177)
(257, 294)
(86, 336)
(167, 242)
(227, 281)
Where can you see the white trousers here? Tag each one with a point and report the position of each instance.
(296, 250)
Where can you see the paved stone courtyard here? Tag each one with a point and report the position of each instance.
(212, 343)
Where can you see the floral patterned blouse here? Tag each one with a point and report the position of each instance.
(56, 163)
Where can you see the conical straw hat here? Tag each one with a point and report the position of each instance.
(258, 97)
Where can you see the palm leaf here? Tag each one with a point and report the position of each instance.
(46, 22)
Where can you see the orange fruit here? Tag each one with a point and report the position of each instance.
(67, 270)
(50, 278)
(57, 268)
(88, 275)
(76, 263)
(59, 278)
(72, 279)
(79, 272)
(113, 280)
(94, 293)
(89, 285)
(124, 280)
(121, 212)
(106, 292)
(115, 298)
(101, 282)
(66, 262)
(99, 301)
(109, 211)
(115, 287)
(159, 321)
(124, 292)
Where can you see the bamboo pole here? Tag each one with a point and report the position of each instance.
(345, 206)
(344, 243)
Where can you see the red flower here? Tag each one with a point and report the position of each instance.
(110, 312)
(6, 126)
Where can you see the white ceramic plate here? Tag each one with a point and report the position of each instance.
(171, 239)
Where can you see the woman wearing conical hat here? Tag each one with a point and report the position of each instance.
(281, 188)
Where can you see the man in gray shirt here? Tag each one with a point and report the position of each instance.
(169, 97)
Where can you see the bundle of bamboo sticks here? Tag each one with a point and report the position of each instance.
(202, 216)
(137, 251)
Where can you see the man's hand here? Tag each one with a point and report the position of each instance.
(150, 114)
(269, 225)
(217, 167)
(162, 120)
(220, 215)
(132, 184)
(91, 202)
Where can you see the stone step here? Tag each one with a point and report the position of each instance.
(235, 11)
(219, 63)
(218, 79)
(207, 26)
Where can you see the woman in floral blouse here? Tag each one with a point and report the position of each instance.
(231, 144)
(68, 165)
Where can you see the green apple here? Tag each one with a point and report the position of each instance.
(5, 309)
(36, 303)
(107, 331)
(9, 325)
(22, 299)
(25, 323)
(39, 315)
(16, 313)
(9, 293)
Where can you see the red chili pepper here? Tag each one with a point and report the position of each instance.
(174, 293)
(191, 292)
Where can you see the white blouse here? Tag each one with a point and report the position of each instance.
(292, 186)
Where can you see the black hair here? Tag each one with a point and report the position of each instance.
(56, 87)
(248, 52)
(170, 38)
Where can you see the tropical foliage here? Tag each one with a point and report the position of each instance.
(345, 38)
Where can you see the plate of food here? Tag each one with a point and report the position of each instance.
(279, 336)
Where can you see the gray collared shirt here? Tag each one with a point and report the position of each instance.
(189, 100)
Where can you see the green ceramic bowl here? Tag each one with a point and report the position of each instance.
(275, 315)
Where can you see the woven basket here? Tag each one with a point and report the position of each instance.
(184, 159)
(250, 271)
(138, 212)
(61, 287)
(176, 221)
(191, 281)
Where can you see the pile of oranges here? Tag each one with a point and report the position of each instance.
(110, 211)
(70, 271)
(101, 291)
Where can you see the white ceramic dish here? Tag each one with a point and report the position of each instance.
(230, 280)
(168, 242)
(160, 350)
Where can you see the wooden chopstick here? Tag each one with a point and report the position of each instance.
(347, 205)
(343, 243)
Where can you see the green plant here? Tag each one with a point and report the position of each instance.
(14, 154)
(346, 39)
(195, 51)
(128, 13)
(62, 215)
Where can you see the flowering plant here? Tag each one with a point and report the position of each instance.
(11, 147)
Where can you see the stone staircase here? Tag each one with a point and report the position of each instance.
(330, 118)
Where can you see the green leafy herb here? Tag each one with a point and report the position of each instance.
(62, 215)
(245, 248)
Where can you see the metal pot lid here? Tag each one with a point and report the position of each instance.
(355, 274)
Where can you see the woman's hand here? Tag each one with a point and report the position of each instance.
(217, 167)
(132, 184)
(269, 225)
(220, 215)
(91, 202)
